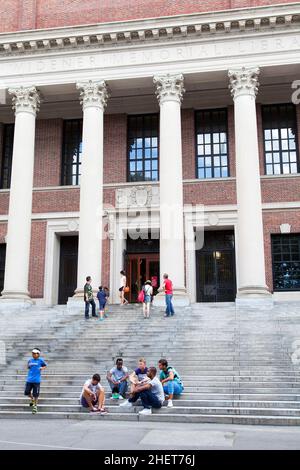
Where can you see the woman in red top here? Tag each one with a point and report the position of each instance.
(168, 287)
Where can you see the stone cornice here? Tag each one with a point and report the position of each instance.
(151, 30)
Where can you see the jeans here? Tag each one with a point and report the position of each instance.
(87, 308)
(121, 387)
(149, 400)
(172, 388)
(170, 308)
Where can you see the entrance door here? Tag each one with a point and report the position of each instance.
(67, 268)
(140, 268)
(215, 264)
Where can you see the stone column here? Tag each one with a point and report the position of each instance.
(169, 91)
(94, 96)
(250, 242)
(26, 104)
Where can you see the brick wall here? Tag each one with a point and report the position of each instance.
(115, 148)
(65, 200)
(3, 231)
(30, 14)
(272, 222)
(37, 259)
(48, 145)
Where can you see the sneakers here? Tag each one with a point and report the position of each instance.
(145, 411)
(170, 404)
(120, 397)
(115, 396)
(34, 409)
(126, 404)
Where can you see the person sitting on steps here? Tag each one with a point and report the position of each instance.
(117, 379)
(93, 395)
(170, 380)
(151, 394)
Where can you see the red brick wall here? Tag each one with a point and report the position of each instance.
(4, 200)
(48, 146)
(29, 14)
(37, 258)
(280, 189)
(272, 222)
(188, 144)
(3, 231)
(210, 192)
(65, 200)
(115, 148)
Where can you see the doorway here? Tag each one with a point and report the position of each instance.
(67, 268)
(215, 267)
(139, 269)
(141, 264)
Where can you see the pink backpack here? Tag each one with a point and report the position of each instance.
(141, 296)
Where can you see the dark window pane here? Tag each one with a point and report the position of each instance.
(142, 153)
(71, 152)
(280, 139)
(7, 153)
(286, 262)
(211, 140)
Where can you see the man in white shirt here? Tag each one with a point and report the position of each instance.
(151, 394)
(93, 395)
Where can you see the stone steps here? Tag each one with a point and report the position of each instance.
(235, 365)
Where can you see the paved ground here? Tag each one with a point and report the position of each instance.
(63, 434)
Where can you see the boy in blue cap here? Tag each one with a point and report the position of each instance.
(33, 382)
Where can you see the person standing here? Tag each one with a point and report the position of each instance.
(148, 292)
(168, 288)
(102, 297)
(89, 298)
(123, 282)
(33, 381)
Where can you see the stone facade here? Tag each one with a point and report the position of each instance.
(126, 87)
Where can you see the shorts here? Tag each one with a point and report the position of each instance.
(121, 289)
(102, 306)
(34, 387)
(85, 404)
(147, 299)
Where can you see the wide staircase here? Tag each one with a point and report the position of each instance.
(236, 365)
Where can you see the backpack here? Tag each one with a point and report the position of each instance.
(141, 296)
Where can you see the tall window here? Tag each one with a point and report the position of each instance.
(212, 143)
(280, 141)
(71, 152)
(7, 152)
(286, 262)
(143, 147)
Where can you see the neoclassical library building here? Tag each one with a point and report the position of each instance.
(152, 137)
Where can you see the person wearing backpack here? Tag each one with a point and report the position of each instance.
(148, 292)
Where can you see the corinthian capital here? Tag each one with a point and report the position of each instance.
(93, 94)
(243, 81)
(169, 87)
(26, 99)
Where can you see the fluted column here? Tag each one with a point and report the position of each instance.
(250, 242)
(25, 104)
(169, 91)
(94, 96)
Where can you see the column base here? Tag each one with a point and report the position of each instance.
(75, 304)
(180, 299)
(10, 301)
(254, 296)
